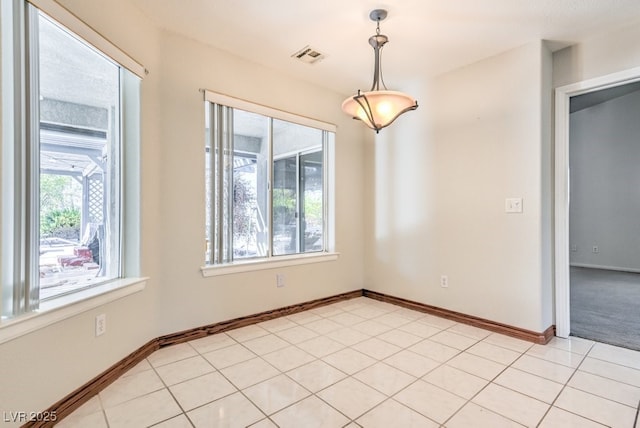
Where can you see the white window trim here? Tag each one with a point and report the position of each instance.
(237, 103)
(90, 35)
(278, 261)
(274, 262)
(70, 305)
(66, 306)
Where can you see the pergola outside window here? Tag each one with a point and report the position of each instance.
(79, 97)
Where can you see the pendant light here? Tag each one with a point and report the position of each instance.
(378, 107)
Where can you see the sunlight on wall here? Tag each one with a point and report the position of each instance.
(382, 185)
(403, 190)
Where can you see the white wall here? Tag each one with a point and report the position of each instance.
(187, 299)
(432, 187)
(605, 196)
(438, 180)
(602, 54)
(40, 368)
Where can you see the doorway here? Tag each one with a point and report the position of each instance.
(590, 91)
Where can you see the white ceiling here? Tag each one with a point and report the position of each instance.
(426, 37)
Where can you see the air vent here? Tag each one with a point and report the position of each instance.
(308, 55)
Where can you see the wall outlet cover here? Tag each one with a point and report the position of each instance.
(513, 205)
(101, 324)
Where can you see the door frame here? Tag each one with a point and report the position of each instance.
(562, 185)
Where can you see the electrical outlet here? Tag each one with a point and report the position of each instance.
(280, 280)
(513, 205)
(101, 324)
(444, 281)
(574, 248)
(595, 249)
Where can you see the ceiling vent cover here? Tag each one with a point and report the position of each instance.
(308, 55)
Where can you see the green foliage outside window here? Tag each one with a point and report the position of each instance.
(58, 222)
(59, 212)
(244, 219)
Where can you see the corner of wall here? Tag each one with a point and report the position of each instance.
(547, 191)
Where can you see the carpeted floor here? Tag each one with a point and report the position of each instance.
(605, 306)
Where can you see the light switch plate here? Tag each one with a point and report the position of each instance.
(513, 205)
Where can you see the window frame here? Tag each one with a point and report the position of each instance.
(270, 260)
(20, 139)
(298, 155)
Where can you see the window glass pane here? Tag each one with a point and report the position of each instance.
(265, 186)
(285, 206)
(79, 163)
(209, 157)
(312, 201)
(297, 189)
(250, 192)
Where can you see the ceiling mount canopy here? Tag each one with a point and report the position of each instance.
(378, 107)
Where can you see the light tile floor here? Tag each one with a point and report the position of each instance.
(365, 363)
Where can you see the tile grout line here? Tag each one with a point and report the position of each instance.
(104, 410)
(353, 420)
(378, 361)
(280, 372)
(418, 378)
(315, 394)
(598, 375)
(167, 387)
(378, 312)
(238, 389)
(170, 392)
(565, 385)
(551, 405)
(470, 400)
(241, 390)
(618, 364)
(387, 397)
(477, 340)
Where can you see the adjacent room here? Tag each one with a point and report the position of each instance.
(218, 213)
(605, 272)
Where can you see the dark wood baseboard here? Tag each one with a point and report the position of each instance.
(519, 333)
(198, 332)
(77, 398)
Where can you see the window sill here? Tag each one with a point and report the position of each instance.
(272, 263)
(64, 307)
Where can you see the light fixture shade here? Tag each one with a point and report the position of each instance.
(378, 109)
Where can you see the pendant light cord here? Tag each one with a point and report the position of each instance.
(377, 46)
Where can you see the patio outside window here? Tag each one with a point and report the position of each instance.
(62, 162)
(79, 156)
(265, 186)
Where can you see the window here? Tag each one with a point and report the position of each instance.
(63, 144)
(266, 183)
